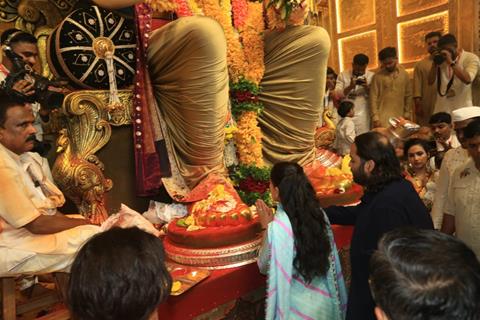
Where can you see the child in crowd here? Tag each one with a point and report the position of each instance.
(345, 132)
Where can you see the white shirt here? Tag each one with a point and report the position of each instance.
(359, 96)
(452, 160)
(35, 107)
(452, 142)
(21, 201)
(344, 135)
(464, 203)
(463, 92)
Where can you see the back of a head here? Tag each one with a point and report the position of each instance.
(376, 147)
(425, 275)
(440, 117)
(299, 201)
(118, 274)
(360, 59)
(345, 107)
(388, 52)
(12, 36)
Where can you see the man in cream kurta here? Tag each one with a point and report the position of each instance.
(390, 90)
(452, 160)
(34, 237)
(463, 203)
(424, 94)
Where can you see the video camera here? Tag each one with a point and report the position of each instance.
(41, 85)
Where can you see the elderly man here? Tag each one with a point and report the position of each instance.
(452, 159)
(389, 202)
(34, 237)
(461, 212)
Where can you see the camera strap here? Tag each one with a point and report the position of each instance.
(439, 83)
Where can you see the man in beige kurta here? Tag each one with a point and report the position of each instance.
(424, 95)
(390, 90)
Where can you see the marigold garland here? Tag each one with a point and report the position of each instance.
(235, 53)
(240, 13)
(248, 140)
(253, 43)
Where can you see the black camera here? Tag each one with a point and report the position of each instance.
(439, 57)
(360, 80)
(42, 94)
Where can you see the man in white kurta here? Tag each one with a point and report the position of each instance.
(454, 76)
(464, 194)
(34, 237)
(452, 160)
(354, 85)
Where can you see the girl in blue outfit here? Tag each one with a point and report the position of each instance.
(298, 252)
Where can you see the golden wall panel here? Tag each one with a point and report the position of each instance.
(365, 42)
(405, 7)
(354, 14)
(411, 44)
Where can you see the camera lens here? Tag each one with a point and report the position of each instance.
(438, 58)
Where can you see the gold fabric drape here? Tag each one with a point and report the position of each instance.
(188, 69)
(292, 92)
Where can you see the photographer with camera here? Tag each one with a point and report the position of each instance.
(24, 45)
(454, 70)
(354, 85)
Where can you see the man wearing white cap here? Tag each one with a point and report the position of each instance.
(453, 159)
(461, 211)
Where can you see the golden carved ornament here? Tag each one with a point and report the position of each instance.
(325, 135)
(77, 170)
(102, 46)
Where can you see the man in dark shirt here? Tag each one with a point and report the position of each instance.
(389, 202)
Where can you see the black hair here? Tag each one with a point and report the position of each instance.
(388, 52)
(7, 102)
(331, 71)
(12, 36)
(424, 274)
(472, 129)
(118, 274)
(307, 218)
(376, 147)
(440, 117)
(433, 34)
(417, 142)
(360, 59)
(447, 39)
(345, 107)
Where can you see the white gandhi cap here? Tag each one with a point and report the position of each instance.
(465, 113)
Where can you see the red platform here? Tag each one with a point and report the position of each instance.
(226, 285)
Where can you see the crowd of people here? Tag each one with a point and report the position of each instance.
(416, 243)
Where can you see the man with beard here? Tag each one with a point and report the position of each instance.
(389, 202)
(329, 97)
(34, 236)
(424, 94)
(454, 70)
(390, 90)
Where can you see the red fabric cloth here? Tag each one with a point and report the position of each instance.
(226, 285)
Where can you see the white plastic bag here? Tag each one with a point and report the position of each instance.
(159, 212)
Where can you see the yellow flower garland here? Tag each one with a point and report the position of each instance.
(248, 140)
